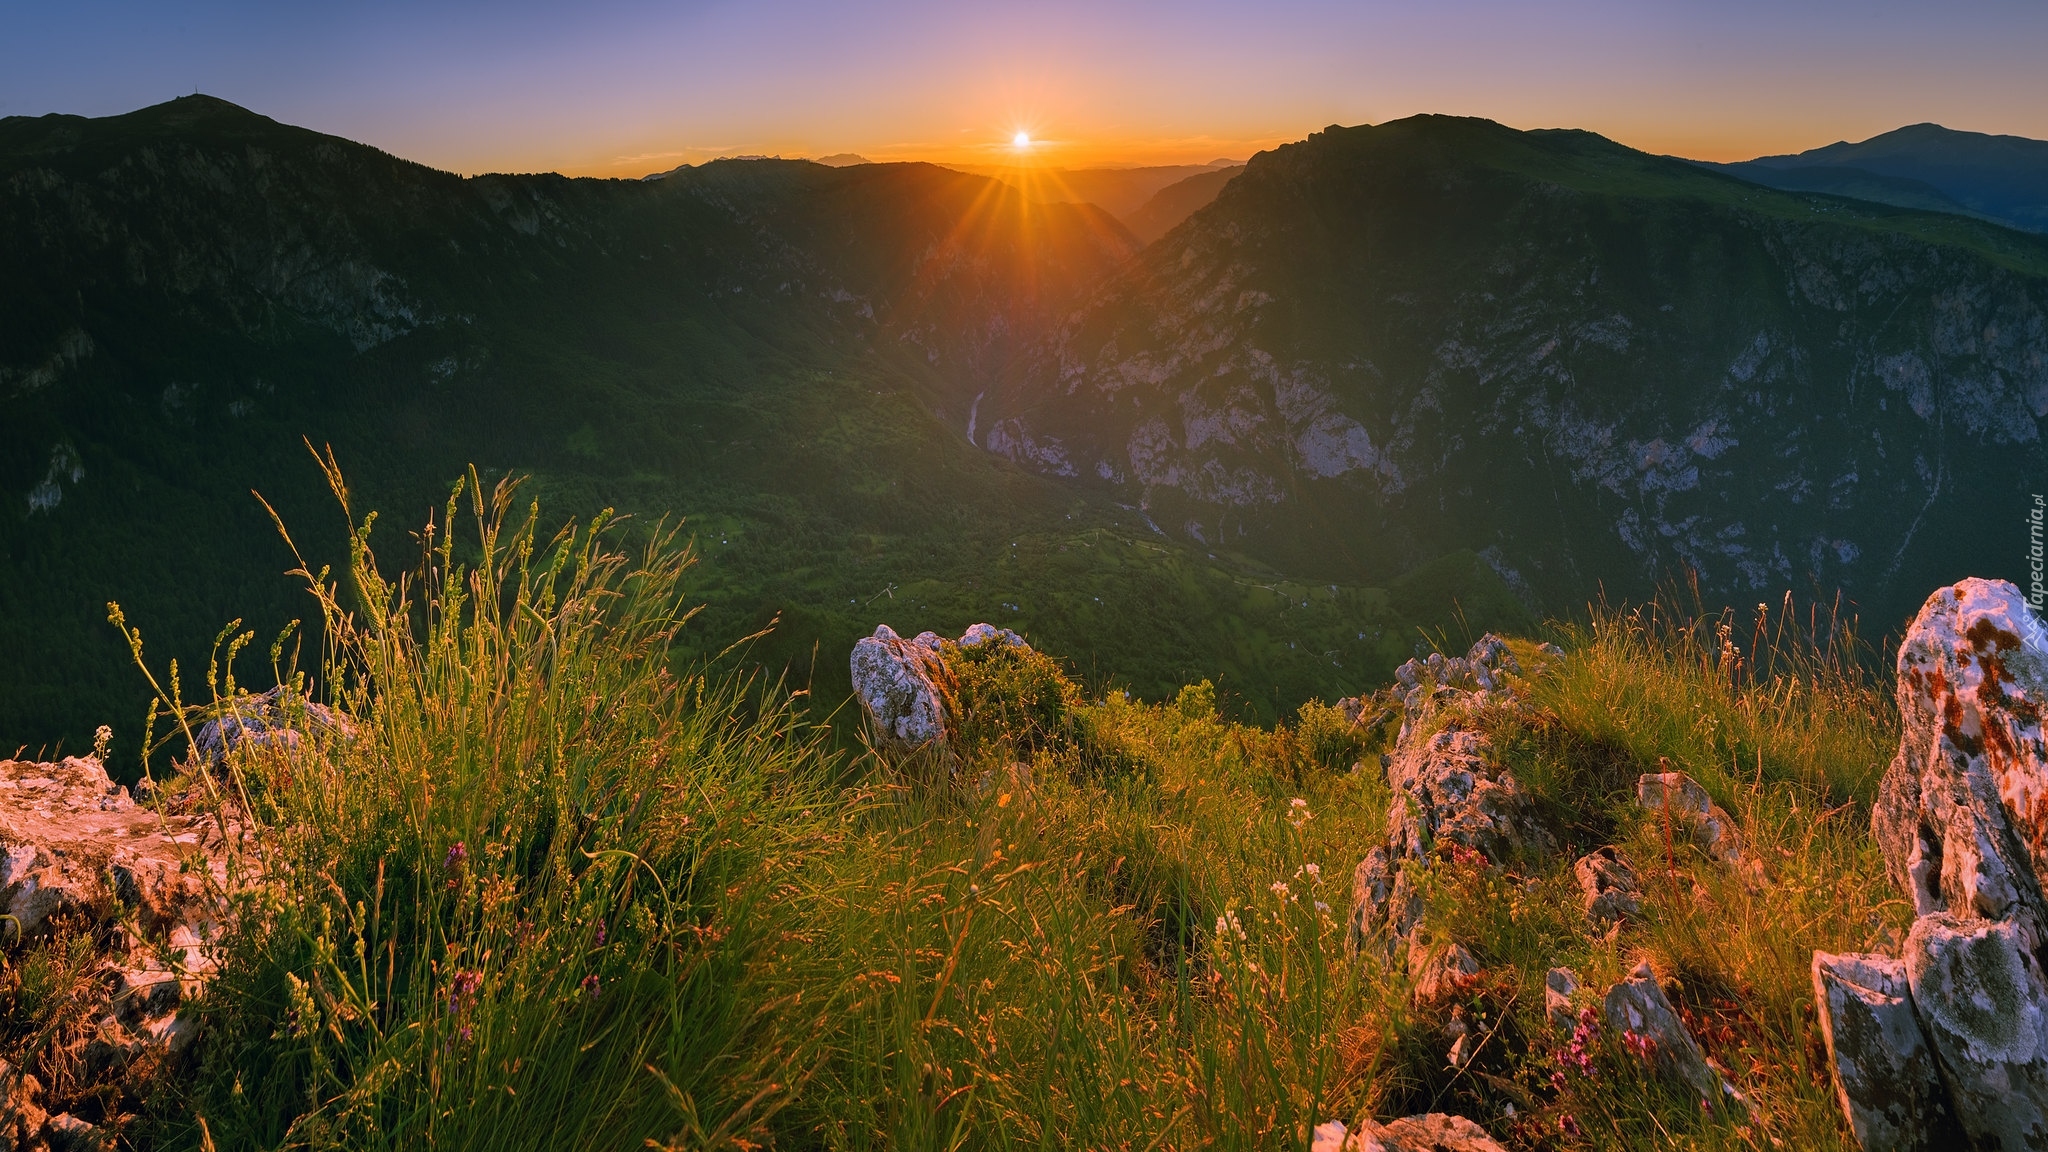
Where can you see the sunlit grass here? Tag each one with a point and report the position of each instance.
(556, 892)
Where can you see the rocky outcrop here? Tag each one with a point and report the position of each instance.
(1978, 992)
(21, 1110)
(1424, 684)
(1430, 1132)
(1559, 986)
(1961, 817)
(897, 682)
(1638, 1009)
(1449, 792)
(902, 684)
(147, 884)
(1885, 1075)
(1608, 886)
(1690, 813)
(271, 719)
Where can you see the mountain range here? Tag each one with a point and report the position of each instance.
(1376, 387)
(1998, 178)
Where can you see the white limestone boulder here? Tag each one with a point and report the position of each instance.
(1886, 1077)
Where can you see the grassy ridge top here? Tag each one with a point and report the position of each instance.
(555, 894)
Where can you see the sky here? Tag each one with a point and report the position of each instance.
(626, 87)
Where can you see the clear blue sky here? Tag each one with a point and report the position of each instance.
(625, 87)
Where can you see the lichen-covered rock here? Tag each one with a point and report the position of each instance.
(1692, 812)
(268, 720)
(1886, 1076)
(73, 842)
(1608, 886)
(897, 681)
(1638, 1008)
(1430, 1132)
(1979, 994)
(1449, 790)
(901, 684)
(1962, 813)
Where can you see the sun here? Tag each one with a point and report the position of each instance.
(1021, 140)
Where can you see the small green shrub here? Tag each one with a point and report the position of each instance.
(1328, 737)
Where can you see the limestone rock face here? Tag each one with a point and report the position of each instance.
(1963, 811)
(1978, 991)
(77, 850)
(901, 683)
(1609, 887)
(1448, 789)
(1430, 1132)
(1638, 1006)
(1886, 1076)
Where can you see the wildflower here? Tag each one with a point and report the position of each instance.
(1644, 1047)
(1279, 888)
(462, 988)
(590, 985)
(466, 1034)
(102, 743)
(1568, 1124)
(458, 855)
(1298, 813)
(1322, 907)
(1315, 871)
(600, 932)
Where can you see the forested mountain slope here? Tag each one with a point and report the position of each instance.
(782, 351)
(1599, 368)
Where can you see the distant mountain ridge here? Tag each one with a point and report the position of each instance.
(2000, 178)
(1387, 375)
(1176, 202)
(1594, 365)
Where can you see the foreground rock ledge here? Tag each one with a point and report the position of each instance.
(77, 853)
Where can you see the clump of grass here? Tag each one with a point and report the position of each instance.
(519, 906)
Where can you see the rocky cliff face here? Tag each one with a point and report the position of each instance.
(1596, 364)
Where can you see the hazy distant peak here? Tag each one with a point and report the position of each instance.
(843, 160)
(2002, 178)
